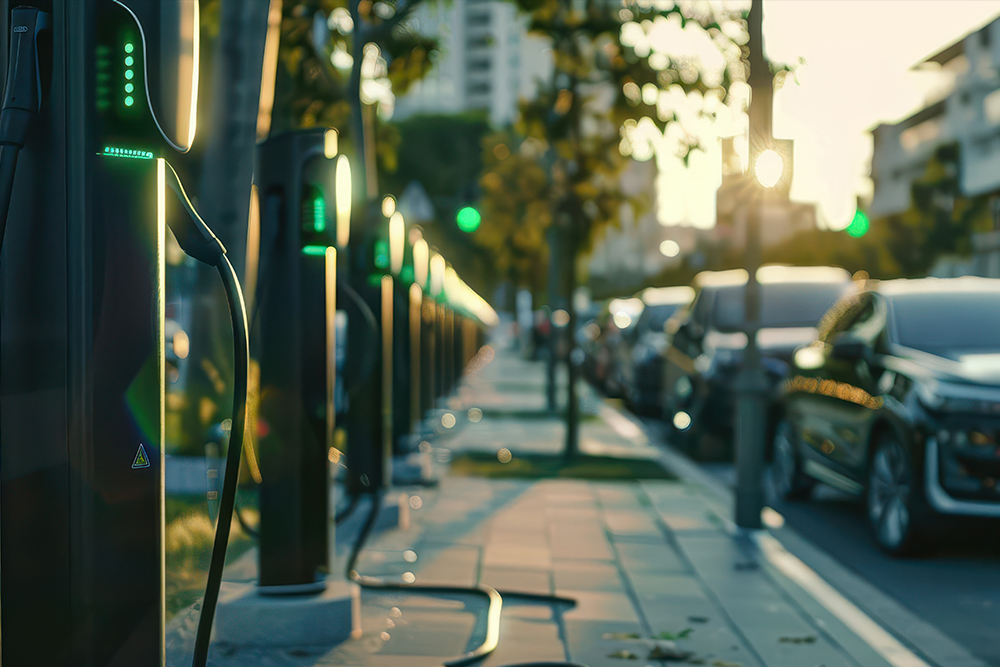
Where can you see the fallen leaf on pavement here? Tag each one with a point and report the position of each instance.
(624, 655)
(661, 652)
(680, 635)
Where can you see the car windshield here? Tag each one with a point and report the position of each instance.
(785, 304)
(945, 323)
(654, 317)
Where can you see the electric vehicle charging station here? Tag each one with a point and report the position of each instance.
(296, 328)
(367, 420)
(82, 328)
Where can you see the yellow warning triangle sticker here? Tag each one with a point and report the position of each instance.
(141, 460)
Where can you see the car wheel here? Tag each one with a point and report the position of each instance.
(790, 482)
(893, 498)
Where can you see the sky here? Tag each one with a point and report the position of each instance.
(858, 58)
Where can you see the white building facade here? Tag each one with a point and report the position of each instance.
(964, 108)
(487, 61)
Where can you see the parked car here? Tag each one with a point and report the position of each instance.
(641, 352)
(708, 338)
(898, 401)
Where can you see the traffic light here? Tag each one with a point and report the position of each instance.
(859, 225)
(468, 219)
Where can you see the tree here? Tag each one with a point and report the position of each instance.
(632, 80)
(319, 81)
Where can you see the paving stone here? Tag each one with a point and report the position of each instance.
(649, 558)
(524, 640)
(630, 522)
(517, 579)
(653, 585)
(592, 642)
(457, 565)
(586, 575)
(499, 537)
(618, 496)
(525, 557)
(599, 606)
(569, 541)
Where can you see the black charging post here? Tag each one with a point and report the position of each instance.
(82, 344)
(294, 324)
(367, 420)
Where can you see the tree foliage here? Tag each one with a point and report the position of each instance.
(630, 81)
(315, 63)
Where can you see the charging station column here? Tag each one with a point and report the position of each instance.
(295, 327)
(369, 447)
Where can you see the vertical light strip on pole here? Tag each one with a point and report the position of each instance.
(415, 306)
(333, 457)
(387, 376)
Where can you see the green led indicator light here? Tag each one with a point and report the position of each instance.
(381, 254)
(314, 250)
(129, 47)
(129, 101)
(468, 219)
(129, 87)
(129, 60)
(113, 151)
(319, 215)
(859, 225)
(129, 74)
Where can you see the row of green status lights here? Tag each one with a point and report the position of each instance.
(129, 86)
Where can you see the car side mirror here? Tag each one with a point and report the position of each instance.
(848, 348)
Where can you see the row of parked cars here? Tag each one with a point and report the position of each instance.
(888, 390)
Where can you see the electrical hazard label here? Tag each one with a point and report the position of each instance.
(141, 460)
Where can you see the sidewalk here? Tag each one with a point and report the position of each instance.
(649, 571)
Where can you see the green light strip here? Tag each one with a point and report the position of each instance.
(319, 214)
(314, 250)
(111, 151)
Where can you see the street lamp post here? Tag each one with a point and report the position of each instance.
(751, 410)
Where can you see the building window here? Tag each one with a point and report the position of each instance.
(921, 133)
(478, 88)
(991, 107)
(479, 41)
(478, 18)
(479, 65)
(984, 36)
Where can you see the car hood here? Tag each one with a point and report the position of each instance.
(782, 342)
(980, 368)
(775, 342)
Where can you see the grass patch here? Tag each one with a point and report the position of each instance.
(495, 413)
(188, 543)
(540, 466)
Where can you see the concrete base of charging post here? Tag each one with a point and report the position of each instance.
(245, 617)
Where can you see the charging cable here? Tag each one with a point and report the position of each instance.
(21, 97)
(198, 241)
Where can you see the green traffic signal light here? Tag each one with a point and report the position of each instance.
(859, 225)
(468, 219)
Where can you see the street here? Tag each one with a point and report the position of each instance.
(955, 587)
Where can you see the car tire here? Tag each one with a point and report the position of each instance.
(894, 499)
(789, 479)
